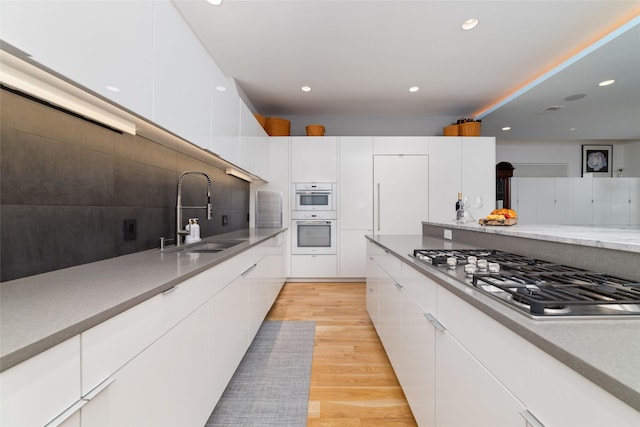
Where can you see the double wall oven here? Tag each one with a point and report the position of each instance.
(314, 219)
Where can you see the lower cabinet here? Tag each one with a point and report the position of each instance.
(164, 362)
(467, 393)
(314, 266)
(459, 367)
(43, 389)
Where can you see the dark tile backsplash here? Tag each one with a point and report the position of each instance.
(67, 185)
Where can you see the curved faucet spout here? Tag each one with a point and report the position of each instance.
(179, 206)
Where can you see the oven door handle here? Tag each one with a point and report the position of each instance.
(305, 192)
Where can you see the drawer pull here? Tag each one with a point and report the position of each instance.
(66, 414)
(98, 389)
(530, 419)
(248, 270)
(168, 291)
(434, 322)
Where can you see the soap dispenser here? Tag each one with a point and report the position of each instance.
(194, 231)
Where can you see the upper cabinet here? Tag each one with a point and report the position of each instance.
(183, 85)
(254, 144)
(314, 159)
(104, 46)
(401, 145)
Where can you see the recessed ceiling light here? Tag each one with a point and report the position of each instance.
(506, 128)
(113, 88)
(470, 24)
(572, 129)
(306, 88)
(414, 89)
(606, 83)
(221, 88)
(215, 2)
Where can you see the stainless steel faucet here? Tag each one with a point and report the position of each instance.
(179, 206)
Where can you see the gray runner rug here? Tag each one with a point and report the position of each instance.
(271, 385)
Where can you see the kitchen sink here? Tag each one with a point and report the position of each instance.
(213, 247)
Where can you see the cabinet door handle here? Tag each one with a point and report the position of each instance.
(398, 285)
(248, 270)
(379, 201)
(168, 291)
(436, 324)
(530, 419)
(66, 414)
(98, 389)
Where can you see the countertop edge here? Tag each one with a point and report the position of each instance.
(19, 355)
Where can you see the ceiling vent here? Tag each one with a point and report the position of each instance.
(554, 108)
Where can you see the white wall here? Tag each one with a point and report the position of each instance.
(625, 154)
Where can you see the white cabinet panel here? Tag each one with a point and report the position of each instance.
(355, 202)
(77, 40)
(467, 394)
(526, 201)
(314, 159)
(400, 145)
(183, 86)
(621, 201)
(561, 397)
(582, 201)
(634, 201)
(445, 177)
(564, 201)
(545, 200)
(352, 251)
(401, 193)
(602, 201)
(314, 265)
(40, 389)
(254, 145)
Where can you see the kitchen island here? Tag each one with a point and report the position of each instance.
(601, 351)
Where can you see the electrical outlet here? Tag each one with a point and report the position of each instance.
(130, 229)
(448, 234)
(225, 220)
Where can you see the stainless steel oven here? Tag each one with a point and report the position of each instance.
(313, 233)
(314, 196)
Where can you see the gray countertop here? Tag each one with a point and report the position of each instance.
(605, 351)
(38, 312)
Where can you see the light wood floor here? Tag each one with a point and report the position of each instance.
(352, 382)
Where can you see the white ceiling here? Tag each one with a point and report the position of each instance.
(361, 56)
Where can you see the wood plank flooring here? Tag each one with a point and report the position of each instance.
(352, 381)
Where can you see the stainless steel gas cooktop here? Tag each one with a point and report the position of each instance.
(536, 287)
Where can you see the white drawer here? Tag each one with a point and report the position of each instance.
(39, 389)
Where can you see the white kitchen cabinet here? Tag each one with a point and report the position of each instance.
(560, 397)
(401, 193)
(355, 218)
(545, 200)
(162, 386)
(564, 201)
(318, 266)
(582, 200)
(400, 145)
(254, 147)
(526, 200)
(467, 394)
(78, 41)
(445, 177)
(374, 273)
(391, 318)
(354, 187)
(418, 354)
(314, 159)
(43, 388)
(183, 87)
(352, 251)
(602, 201)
